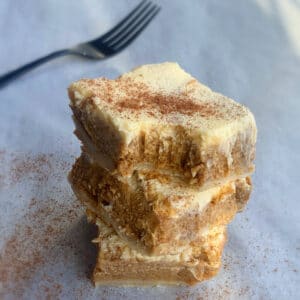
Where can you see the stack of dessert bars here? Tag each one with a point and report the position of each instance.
(164, 168)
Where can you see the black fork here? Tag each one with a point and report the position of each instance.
(107, 45)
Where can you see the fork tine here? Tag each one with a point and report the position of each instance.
(117, 27)
(130, 24)
(134, 34)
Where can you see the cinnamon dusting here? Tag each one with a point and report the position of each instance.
(41, 238)
(135, 96)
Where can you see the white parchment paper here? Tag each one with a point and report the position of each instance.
(248, 50)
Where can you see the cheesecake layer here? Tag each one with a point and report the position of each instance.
(118, 264)
(159, 117)
(153, 215)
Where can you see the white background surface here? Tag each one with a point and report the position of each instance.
(248, 50)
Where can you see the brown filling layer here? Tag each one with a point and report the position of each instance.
(179, 154)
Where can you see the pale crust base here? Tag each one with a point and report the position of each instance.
(139, 275)
(135, 218)
(115, 268)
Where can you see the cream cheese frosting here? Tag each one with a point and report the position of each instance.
(211, 118)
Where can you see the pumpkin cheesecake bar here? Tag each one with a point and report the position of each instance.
(158, 117)
(118, 264)
(153, 215)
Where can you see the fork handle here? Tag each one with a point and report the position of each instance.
(6, 78)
